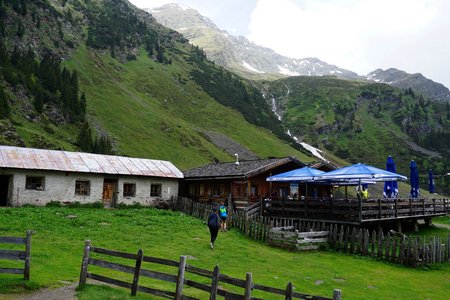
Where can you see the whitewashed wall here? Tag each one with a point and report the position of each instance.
(60, 186)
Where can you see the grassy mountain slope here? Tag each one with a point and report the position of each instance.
(144, 105)
(362, 122)
(146, 88)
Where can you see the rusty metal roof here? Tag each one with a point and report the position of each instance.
(65, 161)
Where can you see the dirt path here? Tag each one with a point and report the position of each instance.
(63, 293)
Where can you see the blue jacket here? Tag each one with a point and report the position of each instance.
(213, 220)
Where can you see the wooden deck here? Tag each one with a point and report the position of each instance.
(357, 212)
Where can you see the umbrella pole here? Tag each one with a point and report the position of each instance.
(306, 190)
(346, 192)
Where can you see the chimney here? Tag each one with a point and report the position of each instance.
(237, 158)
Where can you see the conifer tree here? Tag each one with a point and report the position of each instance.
(84, 140)
(4, 104)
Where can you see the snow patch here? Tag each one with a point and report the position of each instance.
(314, 151)
(248, 66)
(285, 71)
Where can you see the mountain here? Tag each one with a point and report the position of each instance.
(104, 76)
(252, 61)
(236, 52)
(417, 82)
(365, 122)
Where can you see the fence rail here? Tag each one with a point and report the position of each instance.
(214, 289)
(24, 255)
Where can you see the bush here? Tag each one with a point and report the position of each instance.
(53, 204)
(122, 205)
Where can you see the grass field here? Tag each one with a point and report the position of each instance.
(58, 241)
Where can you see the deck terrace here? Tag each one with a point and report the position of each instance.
(358, 212)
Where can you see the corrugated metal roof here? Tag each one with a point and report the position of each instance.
(40, 159)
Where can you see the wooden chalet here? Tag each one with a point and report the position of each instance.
(242, 182)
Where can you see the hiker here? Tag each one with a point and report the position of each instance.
(223, 214)
(364, 193)
(213, 225)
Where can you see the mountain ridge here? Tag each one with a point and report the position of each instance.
(237, 52)
(249, 60)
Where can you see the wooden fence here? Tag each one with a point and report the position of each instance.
(24, 255)
(393, 247)
(289, 238)
(180, 279)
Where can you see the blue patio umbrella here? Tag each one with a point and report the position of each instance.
(414, 180)
(360, 172)
(302, 174)
(431, 182)
(390, 187)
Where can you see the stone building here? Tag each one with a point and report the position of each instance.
(37, 176)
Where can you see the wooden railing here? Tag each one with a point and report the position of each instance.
(354, 211)
(253, 209)
(24, 255)
(214, 289)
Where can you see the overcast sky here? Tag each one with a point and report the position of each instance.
(359, 35)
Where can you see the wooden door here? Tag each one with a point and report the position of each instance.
(4, 190)
(109, 187)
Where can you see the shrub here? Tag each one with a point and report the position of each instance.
(53, 204)
(122, 205)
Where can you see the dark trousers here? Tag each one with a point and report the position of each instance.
(213, 230)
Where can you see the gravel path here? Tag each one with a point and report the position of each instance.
(63, 293)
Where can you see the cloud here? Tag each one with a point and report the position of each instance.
(360, 35)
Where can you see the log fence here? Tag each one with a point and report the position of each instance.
(214, 289)
(24, 255)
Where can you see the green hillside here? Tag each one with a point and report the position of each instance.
(146, 89)
(361, 122)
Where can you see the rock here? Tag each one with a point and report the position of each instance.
(318, 282)
(71, 216)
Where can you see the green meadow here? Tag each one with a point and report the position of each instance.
(58, 241)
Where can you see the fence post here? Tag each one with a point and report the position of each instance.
(337, 294)
(248, 286)
(215, 283)
(180, 278)
(85, 263)
(448, 247)
(26, 272)
(137, 271)
(289, 291)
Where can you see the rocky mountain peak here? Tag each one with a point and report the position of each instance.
(237, 53)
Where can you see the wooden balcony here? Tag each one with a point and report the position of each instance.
(357, 212)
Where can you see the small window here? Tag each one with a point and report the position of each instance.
(34, 183)
(155, 190)
(129, 189)
(82, 188)
(254, 190)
